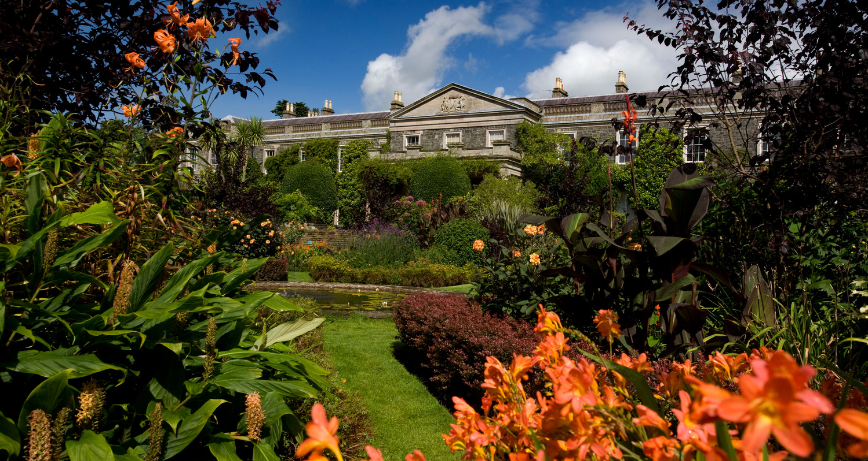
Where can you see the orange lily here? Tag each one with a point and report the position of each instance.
(547, 322)
(322, 434)
(132, 111)
(176, 18)
(135, 60)
(165, 40)
(855, 423)
(199, 30)
(234, 46)
(607, 324)
(12, 161)
(177, 131)
(775, 400)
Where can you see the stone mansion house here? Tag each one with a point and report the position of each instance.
(468, 123)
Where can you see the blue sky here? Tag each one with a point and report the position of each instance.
(358, 52)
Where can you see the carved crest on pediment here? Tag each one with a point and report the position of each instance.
(454, 103)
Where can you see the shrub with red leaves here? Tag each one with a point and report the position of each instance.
(451, 337)
(275, 270)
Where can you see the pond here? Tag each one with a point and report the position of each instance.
(346, 299)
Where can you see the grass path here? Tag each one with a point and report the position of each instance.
(404, 415)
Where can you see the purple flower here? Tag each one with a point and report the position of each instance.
(401, 219)
(410, 197)
(407, 202)
(420, 202)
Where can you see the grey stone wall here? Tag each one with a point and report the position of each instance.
(471, 137)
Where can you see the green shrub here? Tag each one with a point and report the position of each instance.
(253, 171)
(659, 152)
(351, 198)
(457, 237)
(322, 150)
(276, 167)
(295, 207)
(317, 183)
(249, 237)
(479, 168)
(383, 246)
(440, 176)
(511, 191)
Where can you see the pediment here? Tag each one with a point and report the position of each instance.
(456, 99)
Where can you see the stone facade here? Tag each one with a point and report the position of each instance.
(472, 116)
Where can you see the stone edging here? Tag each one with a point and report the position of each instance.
(348, 287)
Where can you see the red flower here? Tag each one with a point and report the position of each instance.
(12, 161)
(132, 111)
(177, 131)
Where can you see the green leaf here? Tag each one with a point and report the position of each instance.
(572, 224)
(149, 275)
(224, 448)
(286, 388)
(49, 395)
(699, 182)
(2, 309)
(288, 331)
(264, 452)
(724, 441)
(74, 254)
(643, 390)
(669, 290)
(118, 333)
(235, 278)
(279, 303)
(48, 364)
(662, 245)
(35, 195)
(90, 447)
(190, 428)
(100, 213)
(10, 439)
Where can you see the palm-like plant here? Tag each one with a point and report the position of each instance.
(248, 135)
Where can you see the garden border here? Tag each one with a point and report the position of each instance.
(268, 286)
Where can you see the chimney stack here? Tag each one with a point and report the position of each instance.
(327, 109)
(309, 113)
(621, 85)
(289, 112)
(558, 91)
(397, 103)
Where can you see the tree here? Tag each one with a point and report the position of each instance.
(277, 166)
(658, 153)
(324, 151)
(351, 201)
(540, 150)
(300, 108)
(70, 57)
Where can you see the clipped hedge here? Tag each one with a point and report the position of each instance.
(457, 237)
(451, 337)
(414, 274)
(274, 270)
(440, 176)
(316, 182)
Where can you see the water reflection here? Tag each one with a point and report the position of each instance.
(347, 300)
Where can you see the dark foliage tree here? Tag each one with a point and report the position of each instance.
(70, 55)
(802, 67)
(280, 107)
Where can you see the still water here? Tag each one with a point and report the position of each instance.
(347, 300)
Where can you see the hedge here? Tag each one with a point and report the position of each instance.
(440, 176)
(457, 237)
(414, 274)
(315, 182)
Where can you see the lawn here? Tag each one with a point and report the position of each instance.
(299, 277)
(404, 415)
(466, 288)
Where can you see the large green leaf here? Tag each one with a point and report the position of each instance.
(264, 452)
(34, 196)
(279, 303)
(670, 289)
(100, 213)
(662, 245)
(238, 276)
(2, 309)
(223, 448)
(288, 331)
(190, 428)
(287, 388)
(48, 364)
(572, 224)
(148, 278)
(90, 447)
(10, 439)
(49, 395)
(73, 255)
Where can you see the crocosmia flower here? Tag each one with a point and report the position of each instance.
(607, 324)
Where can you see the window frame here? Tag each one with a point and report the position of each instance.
(301, 155)
(446, 138)
(619, 159)
(488, 135)
(414, 135)
(687, 133)
(340, 159)
(273, 153)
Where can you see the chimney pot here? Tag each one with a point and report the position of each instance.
(621, 84)
(327, 110)
(396, 103)
(558, 91)
(290, 110)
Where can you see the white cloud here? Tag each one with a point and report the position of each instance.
(500, 92)
(420, 69)
(271, 37)
(472, 64)
(598, 45)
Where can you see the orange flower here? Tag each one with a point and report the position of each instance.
(534, 259)
(135, 60)
(649, 417)
(855, 423)
(690, 431)
(661, 449)
(12, 161)
(516, 253)
(547, 322)
(199, 30)
(176, 18)
(540, 230)
(478, 245)
(530, 230)
(165, 40)
(607, 324)
(322, 434)
(726, 367)
(177, 131)
(373, 453)
(774, 400)
(132, 111)
(415, 456)
(268, 242)
(234, 46)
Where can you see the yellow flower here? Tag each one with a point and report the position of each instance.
(534, 259)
